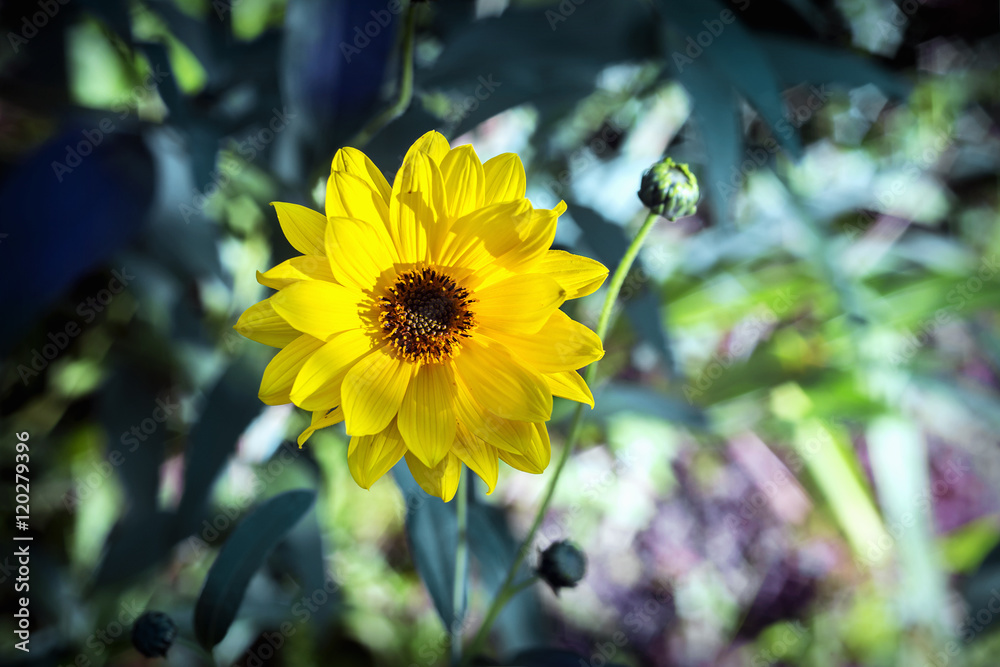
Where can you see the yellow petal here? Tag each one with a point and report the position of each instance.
(501, 383)
(276, 385)
(303, 267)
(505, 179)
(571, 385)
(371, 456)
(416, 207)
(519, 304)
(537, 457)
(261, 323)
(441, 480)
(352, 161)
(579, 276)
(507, 434)
(321, 419)
(427, 415)
(348, 196)
(373, 391)
(562, 344)
(318, 384)
(319, 308)
(433, 143)
(479, 456)
(303, 227)
(538, 234)
(359, 251)
(464, 181)
(475, 240)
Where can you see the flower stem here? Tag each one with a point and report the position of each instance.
(618, 280)
(405, 95)
(461, 568)
(504, 595)
(508, 589)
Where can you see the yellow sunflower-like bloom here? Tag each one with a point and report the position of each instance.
(426, 316)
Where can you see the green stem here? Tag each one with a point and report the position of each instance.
(507, 589)
(405, 95)
(461, 568)
(504, 595)
(618, 280)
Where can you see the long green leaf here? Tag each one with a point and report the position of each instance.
(228, 410)
(732, 52)
(432, 531)
(797, 61)
(243, 553)
(898, 457)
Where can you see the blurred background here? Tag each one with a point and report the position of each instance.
(794, 457)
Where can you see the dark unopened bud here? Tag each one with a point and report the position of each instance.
(153, 633)
(670, 189)
(562, 565)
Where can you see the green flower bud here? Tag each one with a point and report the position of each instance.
(153, 633)
(670, 189)
(562, 565)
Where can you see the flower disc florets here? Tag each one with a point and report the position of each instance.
(425, 315)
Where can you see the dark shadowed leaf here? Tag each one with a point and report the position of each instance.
(242, 555)
(177, 234)
(715, 112)
(798, 62)
(332, 74)
(734, 54)
(432, 530)
(226, 413)
(521, 623)
(560, 50)
(127, 401)
(807, 10)
(159, 62)
(301, 553)
(65, 214)
(196, 35)
(139, 541)
(113, 12)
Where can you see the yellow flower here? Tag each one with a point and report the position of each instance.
(426, 316)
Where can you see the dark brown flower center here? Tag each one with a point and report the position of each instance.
(425, 315)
